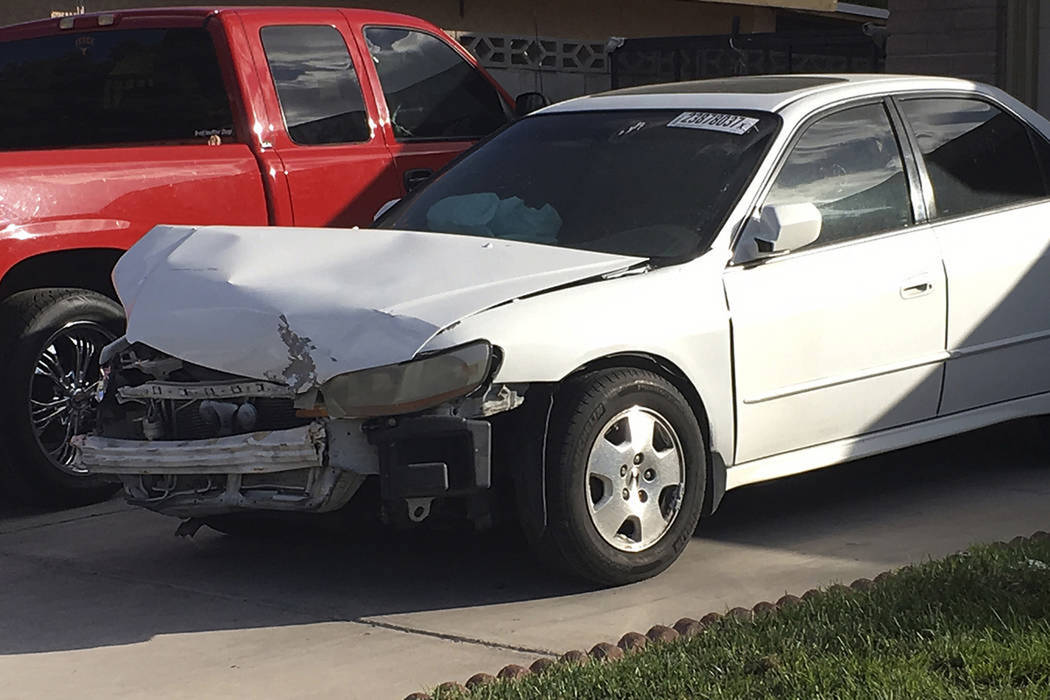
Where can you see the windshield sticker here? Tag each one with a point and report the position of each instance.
(730, 123)
(201, 133)
(637, 126)
(84, 43)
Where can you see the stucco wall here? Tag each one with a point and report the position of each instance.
(579, 19)
(944, 37)
(1043, 64)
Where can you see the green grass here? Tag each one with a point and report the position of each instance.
(974, 625)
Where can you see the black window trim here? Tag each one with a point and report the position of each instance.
(507, 110)
(910, 167)
(927, 184)
(372, 131)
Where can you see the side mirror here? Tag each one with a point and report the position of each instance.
(384, 209)
(784, 227)
(529, 102)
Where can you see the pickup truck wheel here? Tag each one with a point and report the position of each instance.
(626, 475)
(50, 370)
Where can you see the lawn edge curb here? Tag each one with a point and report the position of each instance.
(685, 627)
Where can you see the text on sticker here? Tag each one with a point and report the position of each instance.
(731, 123)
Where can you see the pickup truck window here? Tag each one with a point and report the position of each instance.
(431, 92)
(316, 84)
(112, 87)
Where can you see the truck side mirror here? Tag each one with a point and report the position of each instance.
(781, 228)
(529, 102)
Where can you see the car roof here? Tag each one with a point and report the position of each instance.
(766, 93)
(89, 20)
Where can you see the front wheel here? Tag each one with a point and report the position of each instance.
(626, 474)
(49, 369)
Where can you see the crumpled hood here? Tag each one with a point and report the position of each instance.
(303, 305)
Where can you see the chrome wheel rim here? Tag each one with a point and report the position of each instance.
(635, 479)
(62, 389)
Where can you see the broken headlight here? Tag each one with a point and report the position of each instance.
(409, 386)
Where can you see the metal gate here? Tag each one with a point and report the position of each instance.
(671, 59)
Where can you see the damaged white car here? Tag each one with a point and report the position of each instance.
(603, 318)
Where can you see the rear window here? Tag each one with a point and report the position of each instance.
(112, 88)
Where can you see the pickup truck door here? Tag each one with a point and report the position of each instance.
(845, 336)
(433, 99)
(323, 120)
(988, 175)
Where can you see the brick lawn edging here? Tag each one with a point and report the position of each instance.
(660, 634)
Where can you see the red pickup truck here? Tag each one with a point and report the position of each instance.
(112, 123)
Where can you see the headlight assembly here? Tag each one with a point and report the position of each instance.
(409, 386)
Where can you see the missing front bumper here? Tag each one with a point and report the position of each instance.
(313, 468)
(433, 456)
(281, 470)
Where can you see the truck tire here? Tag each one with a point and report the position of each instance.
(626, 473)
(49, 368)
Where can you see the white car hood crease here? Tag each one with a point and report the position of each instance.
(300, 306)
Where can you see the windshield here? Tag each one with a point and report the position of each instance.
(653, 183)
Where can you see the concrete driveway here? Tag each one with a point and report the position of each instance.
(104, 601)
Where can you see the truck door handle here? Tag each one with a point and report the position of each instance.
(416, 177)
(916, 288)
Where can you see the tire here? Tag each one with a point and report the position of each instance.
(49, 360)
(602, 406)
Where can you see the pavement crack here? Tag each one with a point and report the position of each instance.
(314, 615)
(454, 637)
(51, 523)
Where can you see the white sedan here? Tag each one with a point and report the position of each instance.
(603, 318)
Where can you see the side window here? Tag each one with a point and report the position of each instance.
(431, 92)
(978, 157)
(116, 87)
(849, 165)
(316, 84)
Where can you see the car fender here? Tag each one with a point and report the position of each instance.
(677, 314)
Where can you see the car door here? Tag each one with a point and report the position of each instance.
(338, 166)
(845, 336)
(438, 104)
(987, 170)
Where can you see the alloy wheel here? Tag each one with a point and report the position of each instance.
(635, 479)
(63, 389)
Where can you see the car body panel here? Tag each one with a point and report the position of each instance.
(998, 318)
(105, 201)
(829, 341)
(260, 302)
(675, 315)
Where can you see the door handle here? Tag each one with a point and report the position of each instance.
(916, 288)
(416, 177)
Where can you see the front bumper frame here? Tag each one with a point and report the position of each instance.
(416, 457)
(251, 453)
